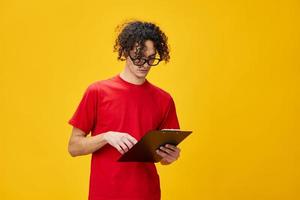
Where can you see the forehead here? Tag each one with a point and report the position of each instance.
(150, 49)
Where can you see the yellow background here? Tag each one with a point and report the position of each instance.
(234, 75)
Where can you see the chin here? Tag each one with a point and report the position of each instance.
(141, 75)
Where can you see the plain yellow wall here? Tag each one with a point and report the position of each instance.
(234, 75)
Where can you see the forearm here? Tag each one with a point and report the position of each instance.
(86, 145)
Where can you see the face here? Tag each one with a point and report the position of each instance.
(141, 71)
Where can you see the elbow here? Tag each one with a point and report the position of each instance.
(73, 154)
(76, 147)
(72, 151)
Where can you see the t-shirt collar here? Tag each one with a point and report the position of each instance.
(124, 82)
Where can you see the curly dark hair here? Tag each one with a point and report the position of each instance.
(136, 31)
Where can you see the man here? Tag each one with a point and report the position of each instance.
(119, 111)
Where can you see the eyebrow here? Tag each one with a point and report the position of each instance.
(151, 55)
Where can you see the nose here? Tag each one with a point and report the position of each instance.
(145, 66)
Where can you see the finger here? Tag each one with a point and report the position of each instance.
(127, 142)
(162, 154)
(176, 149)
(131, 139)
(118, 147)
(123, 146)
(172, 147)
(168, 160)
(173, 154)
(167, 150)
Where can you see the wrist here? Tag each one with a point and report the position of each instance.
(104, 137)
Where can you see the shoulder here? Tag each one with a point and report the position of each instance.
(98, 85)
(161, 93)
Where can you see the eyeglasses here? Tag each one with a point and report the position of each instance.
(141, 61)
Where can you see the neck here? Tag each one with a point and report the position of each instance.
(130, 77)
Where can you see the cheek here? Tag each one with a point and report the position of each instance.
(130, 64)
(132, 67)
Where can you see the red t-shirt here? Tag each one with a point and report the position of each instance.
(117, 105)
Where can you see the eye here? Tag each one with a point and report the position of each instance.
(148, 58)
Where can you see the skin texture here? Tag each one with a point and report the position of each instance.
(80, 144)
(133, 74)
(137, 74)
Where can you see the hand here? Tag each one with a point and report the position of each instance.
(121, 141)
(169, 154)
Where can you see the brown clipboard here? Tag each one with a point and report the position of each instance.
(145, 149)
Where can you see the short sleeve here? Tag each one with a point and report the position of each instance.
(84, 117)
(170, 120)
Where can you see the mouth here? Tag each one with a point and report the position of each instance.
(144, 71)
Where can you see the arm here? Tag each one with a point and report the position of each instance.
(79, 144)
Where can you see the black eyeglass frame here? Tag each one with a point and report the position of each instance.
(144, 60)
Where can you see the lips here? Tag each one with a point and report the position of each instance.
(143, 71)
